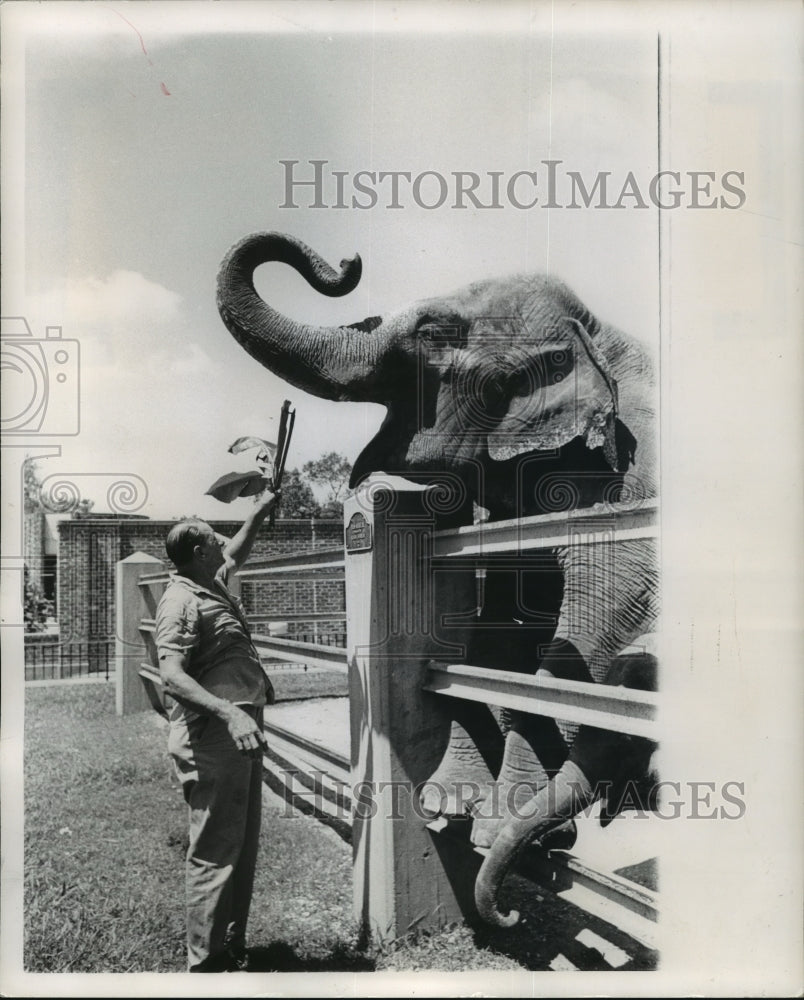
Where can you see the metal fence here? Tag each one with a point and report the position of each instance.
(323, 638)
(49, 660)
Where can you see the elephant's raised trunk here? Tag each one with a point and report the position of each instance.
(341, 363)
(562, 798)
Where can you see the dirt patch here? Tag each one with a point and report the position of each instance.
(323, 720)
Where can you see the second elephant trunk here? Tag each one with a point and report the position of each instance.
(562, 798)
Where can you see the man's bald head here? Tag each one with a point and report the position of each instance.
(183, 538)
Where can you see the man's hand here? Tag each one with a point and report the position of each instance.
(268, 499)
(247, 735)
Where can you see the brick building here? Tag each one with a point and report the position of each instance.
(90, 547)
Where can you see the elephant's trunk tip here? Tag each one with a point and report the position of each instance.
(486, 901)
(490, 878)
(492, 915)
(556, 803)
(510, 919)
(337, 284)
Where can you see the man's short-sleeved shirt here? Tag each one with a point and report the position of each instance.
(210, 627)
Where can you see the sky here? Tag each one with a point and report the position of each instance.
(151, 144)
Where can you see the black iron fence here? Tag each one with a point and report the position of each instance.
(322, 638)
(46, 658)
(49, 659)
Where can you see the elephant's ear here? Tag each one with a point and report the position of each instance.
(561, 391)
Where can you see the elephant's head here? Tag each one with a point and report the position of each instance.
(498, 369)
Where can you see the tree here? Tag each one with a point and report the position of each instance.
(298, 499)
(318, 490)
(330, 474)
(36, 607)
(32, 490)
(34, 500)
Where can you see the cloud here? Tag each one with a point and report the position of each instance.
(145, 382)
(122, 298)
(122, 321)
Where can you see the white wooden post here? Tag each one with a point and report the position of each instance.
(130, 649)
(404, 878)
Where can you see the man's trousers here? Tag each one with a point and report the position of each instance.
(223, 789)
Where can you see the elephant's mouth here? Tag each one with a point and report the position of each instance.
(378, 455)
(420, 457)
(368, 461)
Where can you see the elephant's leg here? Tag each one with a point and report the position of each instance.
(609, 598)
(633, 782)
(467, 779)
(596, 755)
(534, 747)
(470, 761)
(535, 750)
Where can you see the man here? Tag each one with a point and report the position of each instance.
(211, 669)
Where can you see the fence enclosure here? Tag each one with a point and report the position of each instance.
(410, 596)
(48, 657)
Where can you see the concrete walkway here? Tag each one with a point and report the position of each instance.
(325, 721)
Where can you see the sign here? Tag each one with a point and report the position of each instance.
(358, 534)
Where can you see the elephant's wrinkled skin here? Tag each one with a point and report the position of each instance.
(512, 388)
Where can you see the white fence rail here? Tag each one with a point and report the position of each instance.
(546, 531)
(622, 710)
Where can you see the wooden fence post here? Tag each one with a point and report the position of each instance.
(404, 877)
(130, 649)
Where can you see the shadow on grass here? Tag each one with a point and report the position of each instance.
(304, 805)
(281, 957)
(551, 929)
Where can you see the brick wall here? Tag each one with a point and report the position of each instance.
(89, 549)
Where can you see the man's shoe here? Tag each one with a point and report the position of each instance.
(237, 959)
(214, 963)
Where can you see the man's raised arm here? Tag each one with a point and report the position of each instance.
(237, 550)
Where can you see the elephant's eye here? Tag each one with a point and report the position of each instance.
(441, 333)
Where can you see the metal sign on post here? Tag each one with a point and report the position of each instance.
(358, 534)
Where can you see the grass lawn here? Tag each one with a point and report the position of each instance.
(105, 836)
(291, 684)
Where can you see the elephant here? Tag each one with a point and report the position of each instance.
(514, 388)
